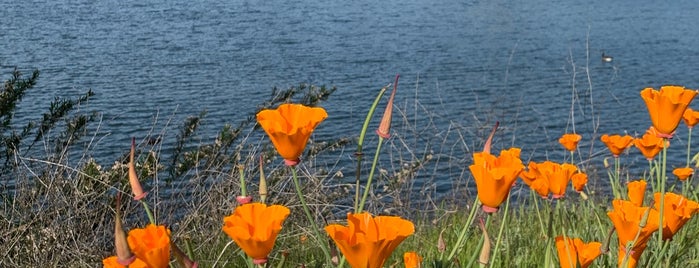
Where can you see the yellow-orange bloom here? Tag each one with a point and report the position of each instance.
(151, 245)
(289, 127)
(627, 219)
(690, 117)
(573, 251)
(636, 190)
(650, 144)
(677, 211)
(617, 143)
(412, 259)
(666, 107)
(368, 241)
(683, 173)
(254, 227)
(494, 176)
(570, 141)
(579, 181)
(554, 175)
(113, 262)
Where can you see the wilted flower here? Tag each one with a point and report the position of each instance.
(573, 251)
(683, 173)
(570, 141)
(628, 219)
(617, 143)
(666, 107)
(254, 227)
(289, 127)
(494, 176)
(151, 245)
(368, 241)
(676, 212)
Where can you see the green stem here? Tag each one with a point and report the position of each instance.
(148, 212)
(462, 235)
(502, 228)
(689, 144)
(662, 180)
(316, 230)
(360, 208)
(360, 143)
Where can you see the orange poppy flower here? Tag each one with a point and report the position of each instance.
(579, 181)
(636, 190)
(289, 127)
(650, 144)
(570, 141)
(412, 260)
(151, 245)
(494, 176)
(626, 218)
(551, 174)
(368, 241)
(572, 251)
(254, 227)
(617, 143)
(678, 210)
(690, 117)
(113, 262)
(666, 107)
(683, 173)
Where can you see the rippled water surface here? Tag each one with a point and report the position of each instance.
(463, 65)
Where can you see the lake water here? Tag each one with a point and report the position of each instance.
(463, 65)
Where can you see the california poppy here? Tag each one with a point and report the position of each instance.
(384, 130)
(650, 144)
(579, 181)
(412, 259)
(368, 241)
(113, 262)
(555, 175)
(573, 251)
(666, 107)
(151, 245)
(677, 211)
(570, 141)
(289, 127)
(136, 188)
(627, 218)
(636, 190)
(617, 143)
(683, 173)
(254, 227)
(494, 176)
(690, 117)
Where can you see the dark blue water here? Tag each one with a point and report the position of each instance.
(464, 65)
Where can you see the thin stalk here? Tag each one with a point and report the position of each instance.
(371, 177)
(462, 235)
(689, 144)
(360, 143)
(474, 257)
(502, 228)
(148, 212)
(663, 178)
(312, 221)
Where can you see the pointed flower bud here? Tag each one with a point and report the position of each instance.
(136, 188)
(263, 184)
(123, 253)
(384, 130)
(182, 258)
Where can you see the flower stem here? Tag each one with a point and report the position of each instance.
(319, 237)
(367, 188)
(662, 179)
(467, 225)
(502, 228)
(360, 143)
(148, 212)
